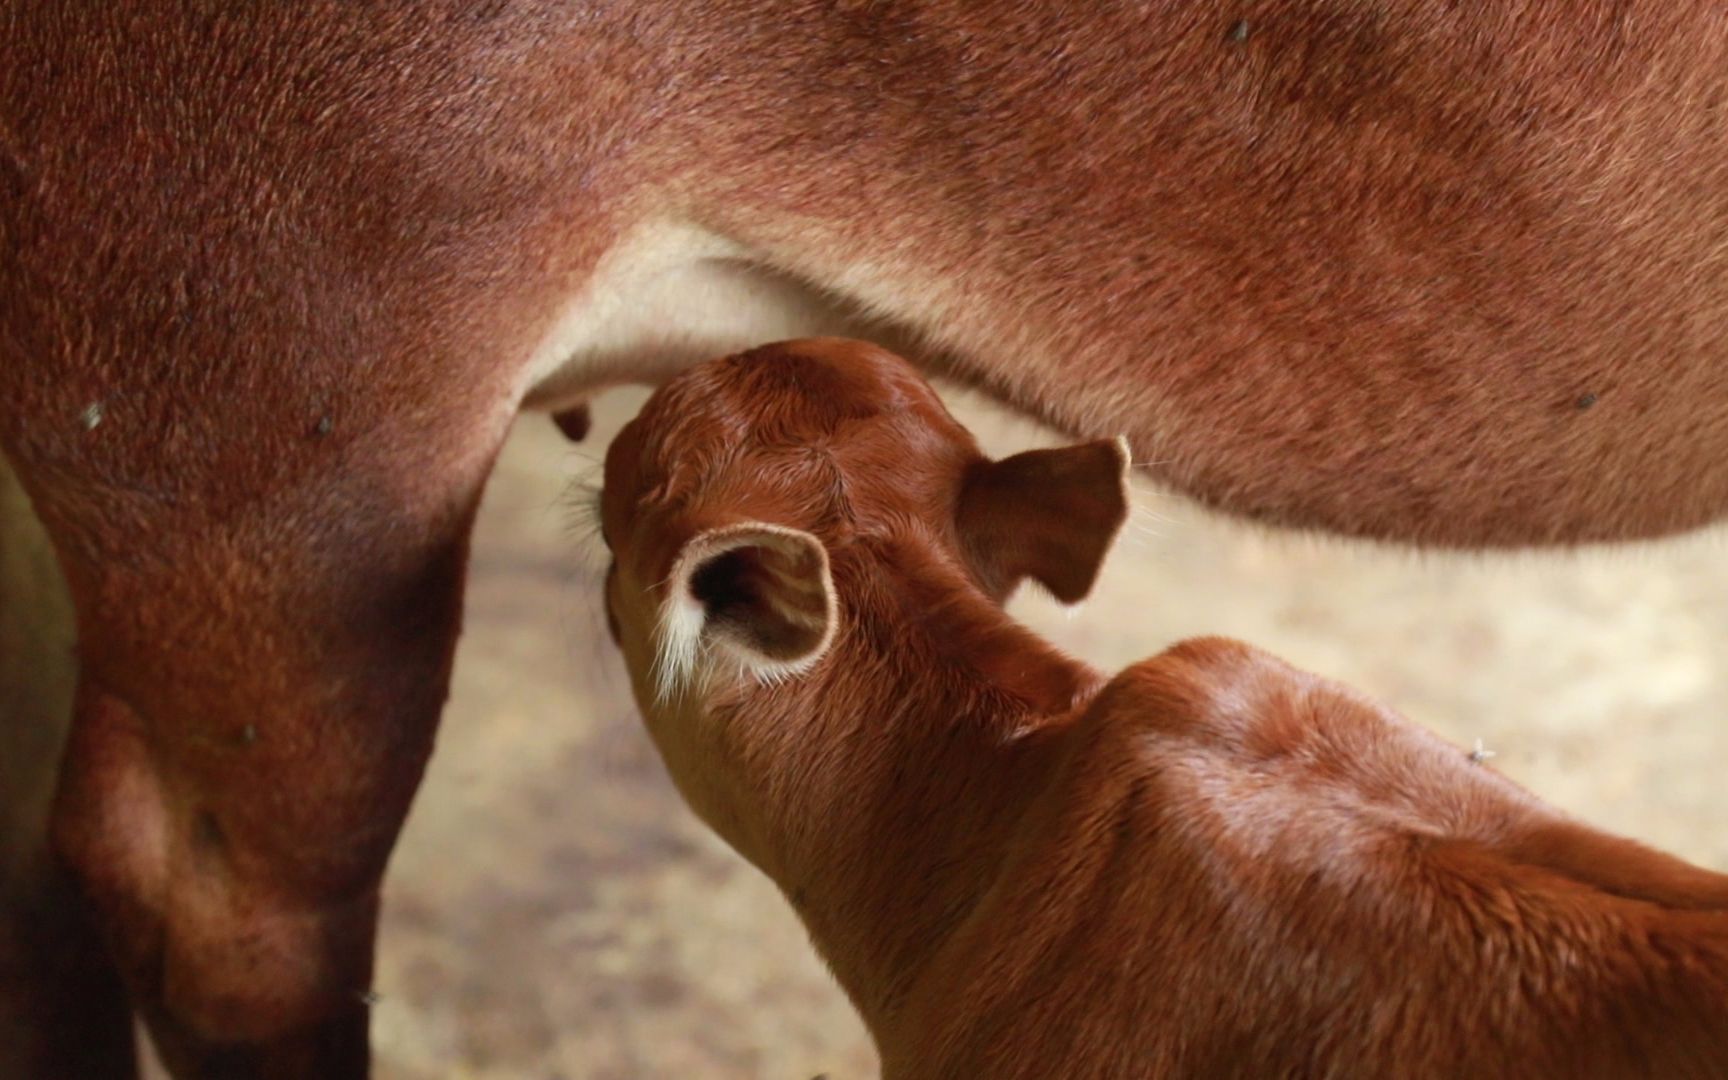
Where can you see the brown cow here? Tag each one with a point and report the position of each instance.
(275, 278)
(1210, 865)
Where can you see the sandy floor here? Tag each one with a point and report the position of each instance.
(554, 910)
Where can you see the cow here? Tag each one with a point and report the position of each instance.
(1208, 864)
(276, 278)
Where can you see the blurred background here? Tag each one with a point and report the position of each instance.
(554, 911)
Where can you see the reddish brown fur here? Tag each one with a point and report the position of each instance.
(1211, 865)
(1343, 265)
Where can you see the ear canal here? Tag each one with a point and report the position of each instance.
(1048, 515)
(763, 592)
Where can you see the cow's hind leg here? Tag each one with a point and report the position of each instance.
(62, 1010)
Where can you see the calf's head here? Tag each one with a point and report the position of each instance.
(776, 516)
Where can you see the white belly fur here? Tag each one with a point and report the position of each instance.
(670, 295)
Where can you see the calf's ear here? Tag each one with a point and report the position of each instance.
(1048, 515)
(761, 593)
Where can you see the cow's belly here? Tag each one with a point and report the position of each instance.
(668, 296)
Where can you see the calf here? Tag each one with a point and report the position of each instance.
(1211, 864)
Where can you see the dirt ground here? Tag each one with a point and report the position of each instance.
(554, 911)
